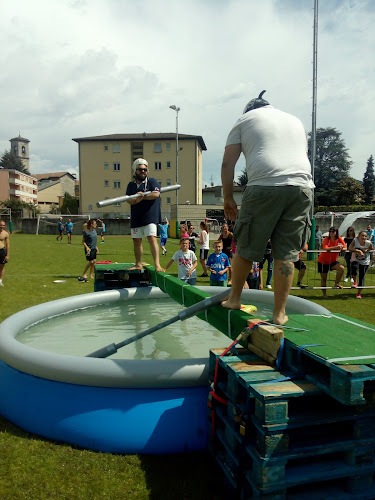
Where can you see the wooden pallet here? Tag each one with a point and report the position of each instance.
(349, 384)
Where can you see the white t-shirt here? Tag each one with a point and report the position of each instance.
(206, 240)
(185, 262)
(275, 145)
(365, 260)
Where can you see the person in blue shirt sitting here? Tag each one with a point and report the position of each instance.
(218, 263)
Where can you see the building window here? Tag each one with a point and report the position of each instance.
(159, 181)
(117, 204)
(168, 164)
(115, 148)
(157, 165)
(168, 182)
(106, 184)
(15, 150)
(105, 147)
(168, 146)
(116, 184)
(168, 201)
(106, 166)
(116, 166)
(157, 147)
(90, 207)
(23, 150)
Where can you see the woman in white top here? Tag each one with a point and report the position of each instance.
(360, 248)
(204, 243)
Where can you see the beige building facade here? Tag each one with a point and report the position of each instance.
(17, 185)
(105, 168)
(52, 188)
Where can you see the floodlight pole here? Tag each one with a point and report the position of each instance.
(177, 109)
(313, 127)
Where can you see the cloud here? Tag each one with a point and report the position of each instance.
(77, 69)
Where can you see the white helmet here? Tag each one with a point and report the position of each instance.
(139, 161)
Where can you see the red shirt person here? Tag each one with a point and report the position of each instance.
(327, 261)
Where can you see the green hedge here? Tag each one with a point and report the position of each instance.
(345, 208)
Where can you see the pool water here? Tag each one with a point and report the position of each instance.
(83, 331)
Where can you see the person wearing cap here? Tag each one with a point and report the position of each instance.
(145, 213)
(276, 201)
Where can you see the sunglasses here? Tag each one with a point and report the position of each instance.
(142, 169)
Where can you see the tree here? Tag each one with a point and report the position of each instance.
(242, 179)
(17, 206)
(369, 181)
(70, 204)
(9, 161)
(332, 164)
(349, 192)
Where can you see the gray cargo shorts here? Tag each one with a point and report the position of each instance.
(277, 212)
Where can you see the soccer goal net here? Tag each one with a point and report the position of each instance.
(48, 224)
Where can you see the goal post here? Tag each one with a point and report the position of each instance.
(47, 223)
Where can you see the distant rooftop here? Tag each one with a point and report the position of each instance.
(143, 137)
(52, 175)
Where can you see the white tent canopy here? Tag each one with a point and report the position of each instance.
(350, 220)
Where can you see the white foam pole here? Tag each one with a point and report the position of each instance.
(121, 199)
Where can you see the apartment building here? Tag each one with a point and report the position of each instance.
(15, 184)
(52, 188)
(105, 168)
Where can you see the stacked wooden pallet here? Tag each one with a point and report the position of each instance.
(117, 276)
(277, 435)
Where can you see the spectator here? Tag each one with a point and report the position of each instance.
(4, 249)
(350, 235)
(218, 263)
(60, 229)
(370, 233)
(192, 235)
(186, 261)
(318, 238)
(301, 266)
(227, 238)
(69, 229)
(361, 247)
(90, 243)
(102, 229)
(327, 261)
(204, 243)
(269, 258)
(254, 281)
(163, 232)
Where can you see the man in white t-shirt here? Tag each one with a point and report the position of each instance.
(277, 199)
(186, 261)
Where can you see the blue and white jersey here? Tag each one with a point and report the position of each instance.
(218, 263)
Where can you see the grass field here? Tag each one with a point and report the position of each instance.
(33, 468)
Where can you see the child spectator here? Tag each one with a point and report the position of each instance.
(186, 261)
(218, 263)
(204, 243)
(163, 232)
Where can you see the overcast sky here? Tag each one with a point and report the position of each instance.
(77, 68)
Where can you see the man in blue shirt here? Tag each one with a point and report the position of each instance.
(145, 213)
(218, 263)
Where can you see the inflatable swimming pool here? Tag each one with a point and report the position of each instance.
(111, 405)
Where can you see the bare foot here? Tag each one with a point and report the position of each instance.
(92, 277)
(159, 269)
(280, 320)
(228, 304)
(135, 268)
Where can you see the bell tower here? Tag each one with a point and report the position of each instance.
(19, 146)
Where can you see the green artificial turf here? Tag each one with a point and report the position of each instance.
(34, 468)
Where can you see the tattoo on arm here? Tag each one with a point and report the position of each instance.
(287, 268)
